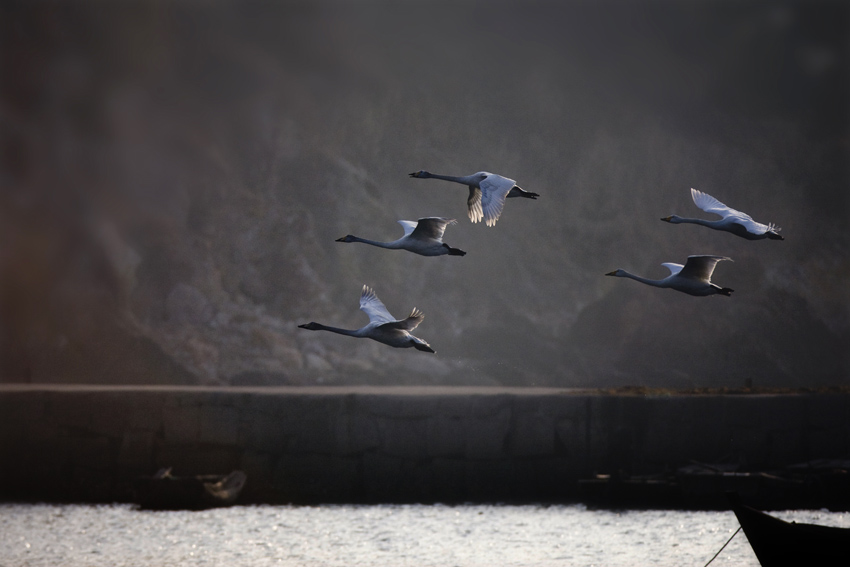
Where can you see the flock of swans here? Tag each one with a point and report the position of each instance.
(487, 194)
(694, 278)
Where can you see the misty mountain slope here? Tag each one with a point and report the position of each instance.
(178, 184)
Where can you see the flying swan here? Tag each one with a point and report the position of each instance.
(487, 193)
(424, 237)
(382, 326)
(736, 222)
(694, 278)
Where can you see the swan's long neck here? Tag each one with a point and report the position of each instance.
(394, 245)
(647, 281)
(337, 330)
(703, 222)
(467, 180)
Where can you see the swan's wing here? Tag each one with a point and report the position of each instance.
(408, 226)
(474, 203)
(700, 267)
(431, 228)
(711, 205)
(495, 189)
(408, 324)
(374, 307)
(674, 268)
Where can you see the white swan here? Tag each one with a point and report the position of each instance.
(382, 326)
(694, 278)
(733, 221)
(424, 237)
(487, 193)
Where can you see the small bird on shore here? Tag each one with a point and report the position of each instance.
(423, 237)
(694, 278)
(487, 193)
(736, 222)
(382, 326)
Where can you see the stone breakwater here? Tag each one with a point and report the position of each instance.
(403, 444)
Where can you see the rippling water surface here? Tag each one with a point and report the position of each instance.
(414, 535)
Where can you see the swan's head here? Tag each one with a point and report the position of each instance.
(421, 174)
(675, 219)
(346, 238)
(619, 273)
(310, 326)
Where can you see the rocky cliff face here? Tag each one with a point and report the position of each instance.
(176, 175)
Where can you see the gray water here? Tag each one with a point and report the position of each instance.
(386, 535)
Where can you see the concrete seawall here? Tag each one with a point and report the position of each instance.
(363, 444)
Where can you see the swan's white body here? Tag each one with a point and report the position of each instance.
(736, 222)
(487, 193)
(694, 278)
(382, 326)
(424, 237)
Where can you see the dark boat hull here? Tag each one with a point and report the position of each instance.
(166, 492)
(780, 543)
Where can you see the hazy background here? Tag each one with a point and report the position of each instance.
(174, 175)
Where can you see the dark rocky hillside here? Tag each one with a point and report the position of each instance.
(174, 175)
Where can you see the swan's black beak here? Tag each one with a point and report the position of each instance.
(614, 273)
(414, 174)
(667, 219)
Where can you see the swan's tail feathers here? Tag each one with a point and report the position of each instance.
(727, 291)
(456, 252)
